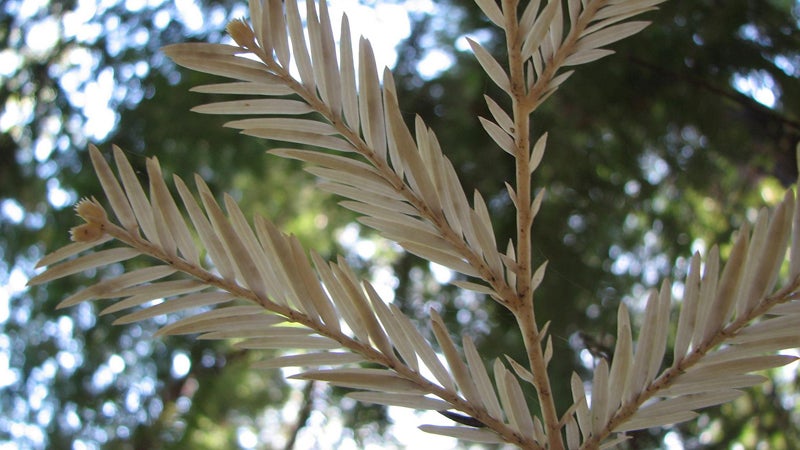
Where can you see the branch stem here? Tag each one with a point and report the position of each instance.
(522, 305)
(671, 375)
(366, 350)
(521, 130)
(436, 217)
(539, 90)
(533, 347)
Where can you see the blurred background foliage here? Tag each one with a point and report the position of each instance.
(654, 153)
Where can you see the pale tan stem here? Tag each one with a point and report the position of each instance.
(364, 349)
(495, 279)
(567, 47)
(516, 67)
(522, 305)
(671, 375)
(533, 346)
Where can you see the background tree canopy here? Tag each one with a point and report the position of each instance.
(653, 153)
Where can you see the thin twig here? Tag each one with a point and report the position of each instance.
(390, 362)
(522, 305)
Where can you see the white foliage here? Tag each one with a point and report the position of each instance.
(270, 293)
